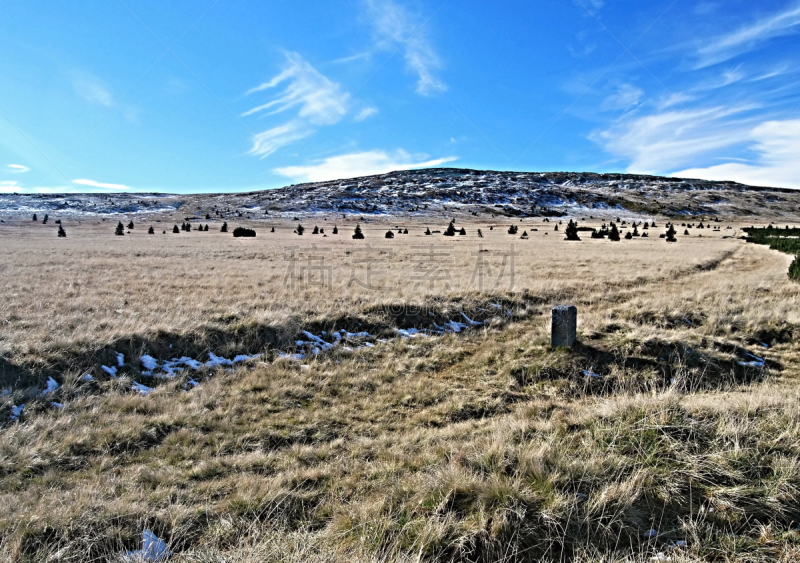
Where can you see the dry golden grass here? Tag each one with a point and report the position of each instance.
(482, 446)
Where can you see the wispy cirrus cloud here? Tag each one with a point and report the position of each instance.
(776, 145)
(395, 27)
(626, 97)
(360, 164)
(668, 140)
(97, 93)
(93, 90)
(318, 101)
(749, 37)
(366, 113)
(105, 186)
(18, 168)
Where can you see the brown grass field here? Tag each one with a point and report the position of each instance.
(486, 445)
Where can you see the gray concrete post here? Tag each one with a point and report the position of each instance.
(564, 325)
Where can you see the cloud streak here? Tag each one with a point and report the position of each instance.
(317, 100)
(749, 37)
(366, 113)
(18, 168)
(625, 98)
(669, 140)
(360, 164)
(394, 27)
(93, 90)
(105, 186)
(776, 144)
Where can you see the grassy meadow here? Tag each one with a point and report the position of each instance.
(670, 432)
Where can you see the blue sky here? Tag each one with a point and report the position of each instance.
(204, 96)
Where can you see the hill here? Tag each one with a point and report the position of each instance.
(431, 192)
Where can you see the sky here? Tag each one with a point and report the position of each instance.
(242, 95)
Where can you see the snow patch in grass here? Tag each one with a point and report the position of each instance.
(52, 385)
(143, 390)
(16, 412)
(153, 549)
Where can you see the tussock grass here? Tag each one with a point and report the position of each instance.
(484, 446)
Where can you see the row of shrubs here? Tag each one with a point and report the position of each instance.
(784, 240)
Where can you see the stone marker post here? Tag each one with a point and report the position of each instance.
(565, 324)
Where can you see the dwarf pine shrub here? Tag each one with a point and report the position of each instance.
(243, 232)
(794, 269)
(120, 229)
(572, 231)
(224, 228)
(357, 234)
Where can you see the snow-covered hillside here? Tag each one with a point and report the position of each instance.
(444, 191)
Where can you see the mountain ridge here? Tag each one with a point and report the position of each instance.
(434, 191)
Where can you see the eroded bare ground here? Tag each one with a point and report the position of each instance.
(480, 446)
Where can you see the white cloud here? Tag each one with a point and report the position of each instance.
(93, 90)
(591, 6)
(705, 8)
(318, 101)
(267, 142)
(749, 37)
(18, 168)
(92, 183)
(669, 140)
(366, 113)
(395, 28)
(777, 144)
(10, 186)
(366, 55)
(359, 164)
(625, 98)
(675, 99)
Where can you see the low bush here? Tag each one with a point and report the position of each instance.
(243, 232)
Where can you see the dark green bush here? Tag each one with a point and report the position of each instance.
(794, 269)
(243, 232)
